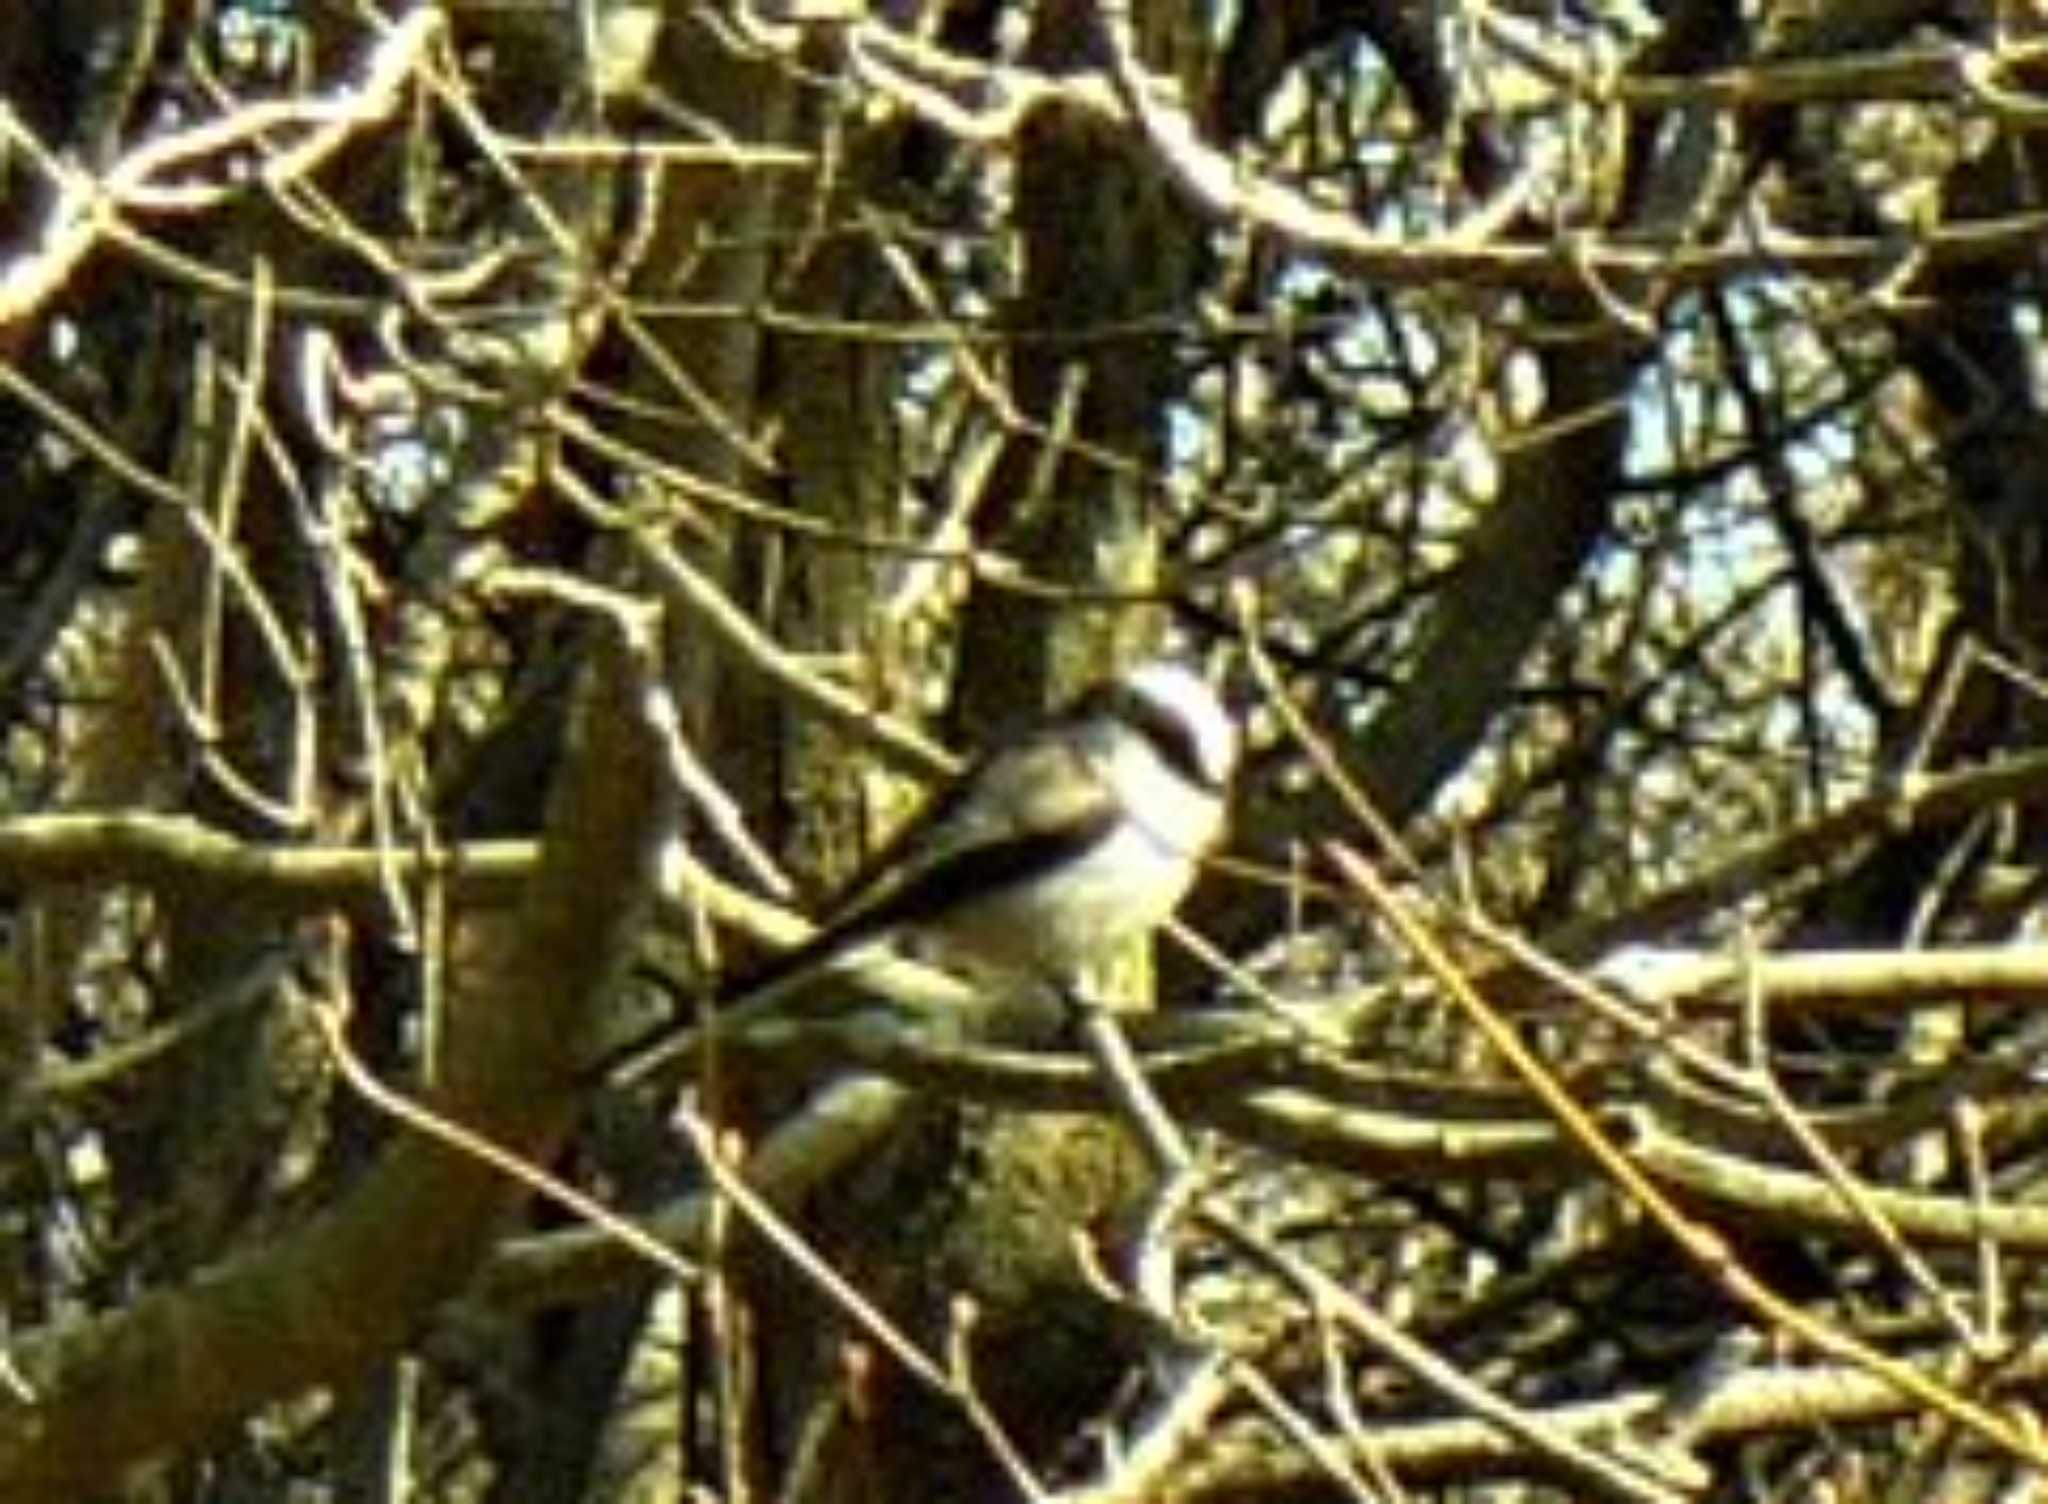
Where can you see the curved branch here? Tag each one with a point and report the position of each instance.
(321, 1304)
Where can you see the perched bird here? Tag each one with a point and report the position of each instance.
(1083, 831)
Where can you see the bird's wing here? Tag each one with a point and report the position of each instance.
(1034, 804)
(1007, 819)
(1030, 804)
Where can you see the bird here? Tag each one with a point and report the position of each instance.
(1057, 844)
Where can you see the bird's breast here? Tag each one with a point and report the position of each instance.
(1126, 884)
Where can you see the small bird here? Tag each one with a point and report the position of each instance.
(1054, 846)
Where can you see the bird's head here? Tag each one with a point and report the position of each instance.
(1184, 718)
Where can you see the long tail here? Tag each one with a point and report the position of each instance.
(639, 1054)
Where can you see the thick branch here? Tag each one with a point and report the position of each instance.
(325, 1302)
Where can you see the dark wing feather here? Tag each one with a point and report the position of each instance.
(1007, 819)
(1039, 784)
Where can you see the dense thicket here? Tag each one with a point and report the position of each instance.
(505, 507)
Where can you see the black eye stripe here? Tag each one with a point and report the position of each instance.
(1170, 735)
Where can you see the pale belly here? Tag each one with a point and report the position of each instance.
(1124, 887)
